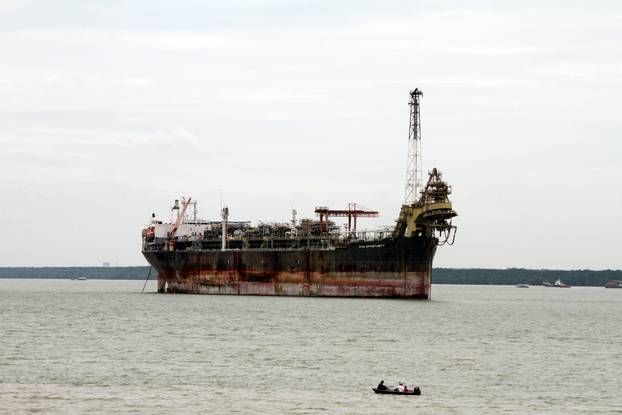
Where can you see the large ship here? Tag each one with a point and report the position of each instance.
(310, 257)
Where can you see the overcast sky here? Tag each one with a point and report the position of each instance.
(110, 110)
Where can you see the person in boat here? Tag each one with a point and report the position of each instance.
(406, 389)
(400, 387)
(381, 386)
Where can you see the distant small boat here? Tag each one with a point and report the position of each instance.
(415, 391)
(82, 278)
(546, 283)
(559, 284)
(522, 286)
(613, 284)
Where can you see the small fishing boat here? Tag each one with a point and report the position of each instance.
(415, 391)
(559, 284)
(82, 278)
(546, 283)
(522, 286)
(613, 284)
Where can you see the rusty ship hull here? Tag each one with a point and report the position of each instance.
(392, 267)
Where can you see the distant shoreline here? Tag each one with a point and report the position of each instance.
(467, 276)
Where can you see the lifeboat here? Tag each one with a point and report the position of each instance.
(149, 233)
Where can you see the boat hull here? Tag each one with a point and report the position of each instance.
(415, 392)
(387, 268)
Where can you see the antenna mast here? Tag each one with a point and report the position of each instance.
(413, 163)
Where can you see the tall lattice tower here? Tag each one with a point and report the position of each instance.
(414, 163)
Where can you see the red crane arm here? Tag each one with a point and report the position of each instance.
(352, 212)
(184, 206)
(346, 213)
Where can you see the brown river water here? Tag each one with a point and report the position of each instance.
(73, 347)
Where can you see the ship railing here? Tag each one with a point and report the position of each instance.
(272, 243)
(371, 234)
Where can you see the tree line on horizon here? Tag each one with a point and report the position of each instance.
(474, 276)
(512, 276)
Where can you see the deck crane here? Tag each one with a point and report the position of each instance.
(351, 212)
(180, 217)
